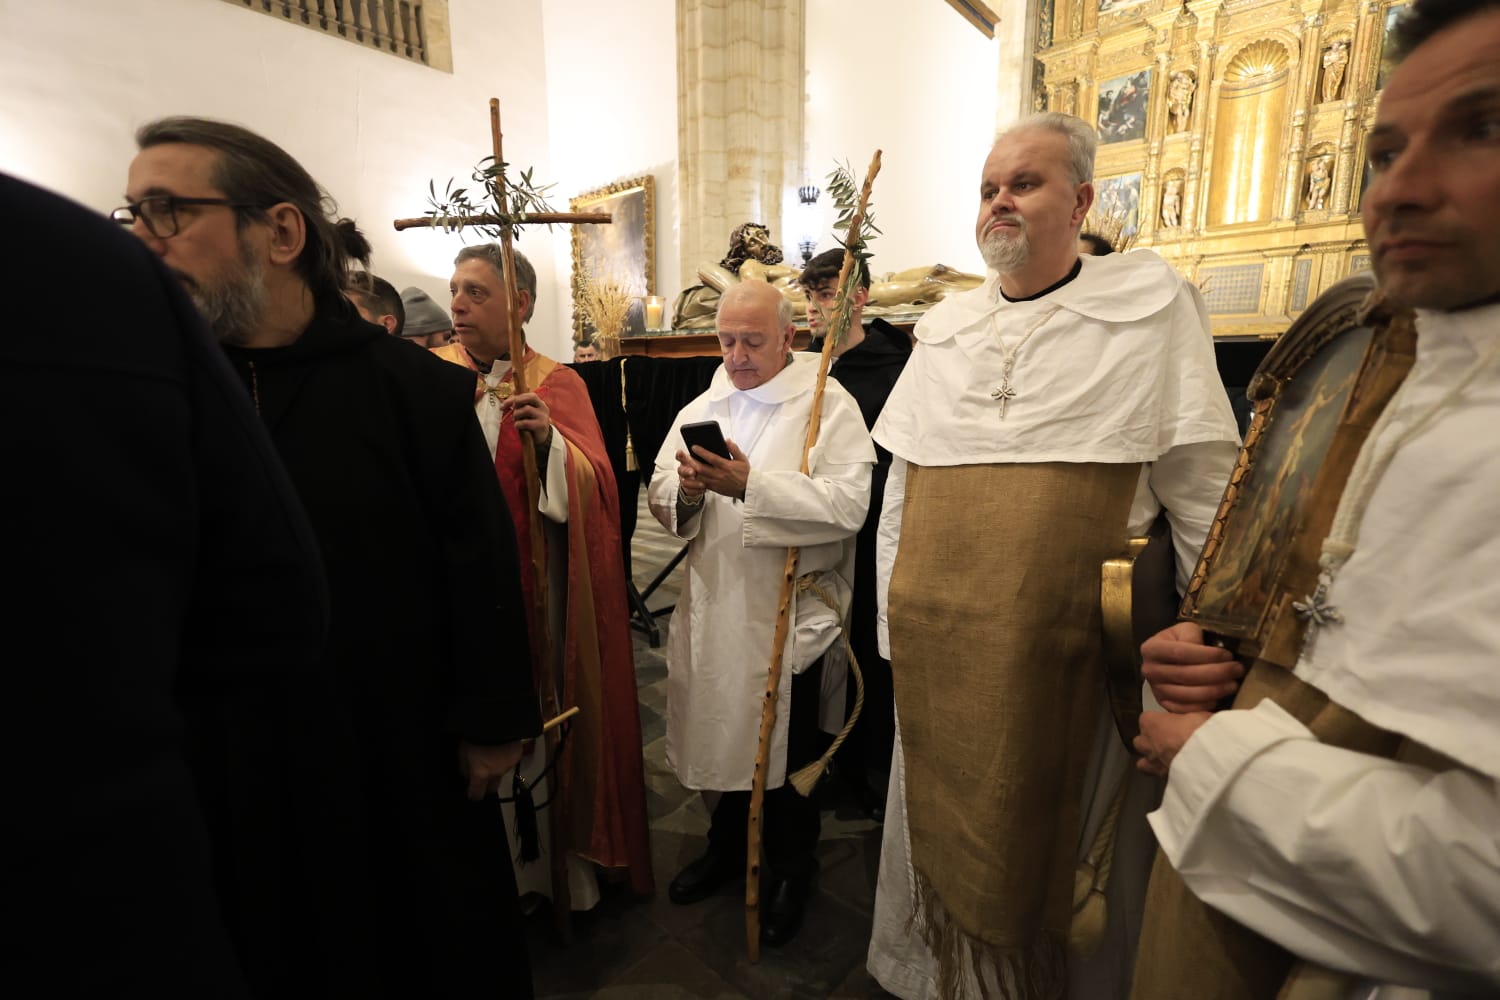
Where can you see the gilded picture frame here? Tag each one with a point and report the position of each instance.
(624, 249)
(1303, 393)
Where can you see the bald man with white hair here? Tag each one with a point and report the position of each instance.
(738, 516)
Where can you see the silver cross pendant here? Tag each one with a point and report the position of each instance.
(1004, 394)
(1316, 610)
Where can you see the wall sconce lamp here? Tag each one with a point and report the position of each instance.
(807, 194)
(807, 247)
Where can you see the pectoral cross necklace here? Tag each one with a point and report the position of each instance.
(1005, 391)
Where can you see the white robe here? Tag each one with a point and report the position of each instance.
(1359, 863)
(1118, 367)
(719, 639)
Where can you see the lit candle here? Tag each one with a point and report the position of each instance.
(654, 304)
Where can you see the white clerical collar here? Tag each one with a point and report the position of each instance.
(1117, 288)
(792, 381)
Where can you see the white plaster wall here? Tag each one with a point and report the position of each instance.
(917, 81)
(612, 115)
(78, 76)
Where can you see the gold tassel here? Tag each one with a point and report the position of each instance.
(1091, 879)
(631, 464)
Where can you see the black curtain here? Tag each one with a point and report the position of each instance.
(656, 390)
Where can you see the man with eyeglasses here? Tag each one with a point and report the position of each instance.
(427, 635)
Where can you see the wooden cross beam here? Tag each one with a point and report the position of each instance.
(521, 219)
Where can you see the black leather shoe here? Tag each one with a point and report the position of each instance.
(702, 877)
(781, 918)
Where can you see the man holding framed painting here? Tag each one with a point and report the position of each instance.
(1345, 813)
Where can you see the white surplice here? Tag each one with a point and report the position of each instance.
(719, 639)
(1355, 862)
(1115, 366)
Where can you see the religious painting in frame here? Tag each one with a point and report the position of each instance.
(1383, 73)
(1110, 6)
(1117, 207)
(623, 250)
(1302, 393)
(1122, 107)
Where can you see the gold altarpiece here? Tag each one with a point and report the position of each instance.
(1231, 137)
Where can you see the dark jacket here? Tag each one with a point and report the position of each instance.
(164, 620)
(427, 636)
(869, 371)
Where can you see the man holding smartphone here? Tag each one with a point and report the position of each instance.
(739, 515)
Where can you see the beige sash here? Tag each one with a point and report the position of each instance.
(996, 651)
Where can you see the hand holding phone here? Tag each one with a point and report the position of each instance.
(726, 471)
(706, 434)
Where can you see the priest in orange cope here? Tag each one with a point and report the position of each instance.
(589, 621)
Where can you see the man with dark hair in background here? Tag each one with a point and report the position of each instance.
(867, 363)
(593, 664)
(1094, 245)
(377, 301)
(1364, 835)
(427, 637)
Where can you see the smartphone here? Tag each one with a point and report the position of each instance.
(707, 435)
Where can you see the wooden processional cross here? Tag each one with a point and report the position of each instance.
(551, 709)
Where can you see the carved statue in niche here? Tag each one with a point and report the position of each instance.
(1180, 90)
(1335, 58)
(1171, 202)
(1319, 179)
(1066, 98)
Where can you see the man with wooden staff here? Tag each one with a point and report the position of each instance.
(380, 443)
(1043, 418)
(739, 515)
(604, 791)
(1365, 837)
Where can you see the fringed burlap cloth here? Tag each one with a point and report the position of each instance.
(995, 649)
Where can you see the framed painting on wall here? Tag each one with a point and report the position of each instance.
(1122, 107)
(1116, 211)
(1392, 14)
(623, 251)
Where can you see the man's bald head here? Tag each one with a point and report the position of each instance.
(755, 332)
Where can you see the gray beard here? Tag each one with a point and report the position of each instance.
(1003, 254)
(235, 306)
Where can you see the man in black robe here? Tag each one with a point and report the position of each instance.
(427, 635)
(867, 363)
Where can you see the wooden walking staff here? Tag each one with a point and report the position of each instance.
(837, 328)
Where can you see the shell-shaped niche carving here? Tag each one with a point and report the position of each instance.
(1249, 134)
(1257, 62)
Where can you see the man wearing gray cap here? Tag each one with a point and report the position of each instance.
(427, 323)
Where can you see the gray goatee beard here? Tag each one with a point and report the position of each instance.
(235, 305)
(1004, 253)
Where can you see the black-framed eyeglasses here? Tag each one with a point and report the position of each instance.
(159, 212)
